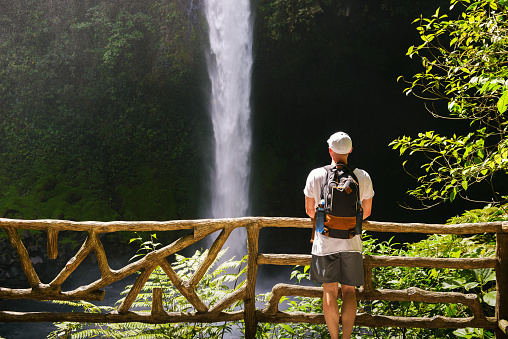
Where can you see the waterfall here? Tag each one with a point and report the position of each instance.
(229, 68)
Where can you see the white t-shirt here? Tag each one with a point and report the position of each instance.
(324, 245)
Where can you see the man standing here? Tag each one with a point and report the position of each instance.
(337, 260)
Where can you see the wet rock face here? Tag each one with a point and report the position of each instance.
(13, 276)
(11, 272)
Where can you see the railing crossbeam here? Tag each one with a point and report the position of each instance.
(409, 294)
(368, 320)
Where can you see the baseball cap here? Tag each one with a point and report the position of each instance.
(340, 143)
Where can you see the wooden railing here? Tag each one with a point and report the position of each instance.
(251, 315)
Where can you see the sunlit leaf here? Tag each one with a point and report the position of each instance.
(490, 298)
(502, 104)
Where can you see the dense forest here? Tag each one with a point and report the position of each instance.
(104, 105)
(102, 109)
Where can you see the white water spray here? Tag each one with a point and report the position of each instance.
(229, 68)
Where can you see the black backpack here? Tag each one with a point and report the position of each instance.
(341, 194)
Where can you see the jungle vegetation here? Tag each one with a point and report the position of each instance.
(103, 117)
(103, 104)
(226, 277)
(464, 63)
(99, 109)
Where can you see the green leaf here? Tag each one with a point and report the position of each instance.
(453, 194)
(491, 277)
(490, 298)
(463, 333)
(502, 104)
(452, 284)
(471, 285)
(288, 328)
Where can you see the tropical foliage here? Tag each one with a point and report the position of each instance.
(215, 285)
(292, 20)
(480, 281)
(464, 64)
(229, 276)
(97, 95)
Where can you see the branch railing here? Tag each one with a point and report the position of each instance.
(250, 315)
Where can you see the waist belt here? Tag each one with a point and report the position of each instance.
(340, 234)
(340, 223)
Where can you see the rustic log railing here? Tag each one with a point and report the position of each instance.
(250, 315)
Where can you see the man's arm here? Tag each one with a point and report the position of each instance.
(310, 206)
(367, 207)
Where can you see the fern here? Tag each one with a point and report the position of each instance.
(216, 284)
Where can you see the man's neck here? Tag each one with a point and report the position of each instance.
(340, 160)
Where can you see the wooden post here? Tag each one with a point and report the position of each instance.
(367, 275)
(157, 308)
(502, 282)
(52, 243)
(252, 271)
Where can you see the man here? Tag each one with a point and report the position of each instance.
(337, 260)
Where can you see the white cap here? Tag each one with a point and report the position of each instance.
(340, 143)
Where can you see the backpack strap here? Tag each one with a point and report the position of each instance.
(328, 168)
(359, 216)
(351, 168)
(352, 171)
(313, 229)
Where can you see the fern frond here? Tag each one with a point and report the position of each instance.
(214, 286)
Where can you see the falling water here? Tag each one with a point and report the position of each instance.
(229, 68)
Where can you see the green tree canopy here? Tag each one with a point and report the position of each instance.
(465, 63)
(102, 94)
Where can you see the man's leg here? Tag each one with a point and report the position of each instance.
(348, 310)
(331, 308)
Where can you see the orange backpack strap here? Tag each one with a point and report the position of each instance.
(313, 229)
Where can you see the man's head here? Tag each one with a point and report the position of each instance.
(340, 143)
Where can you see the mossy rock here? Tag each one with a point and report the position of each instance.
(98, 210)
(47, 183)
(53, 199)
(150, 199)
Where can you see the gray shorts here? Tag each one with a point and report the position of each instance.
(345, 268)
